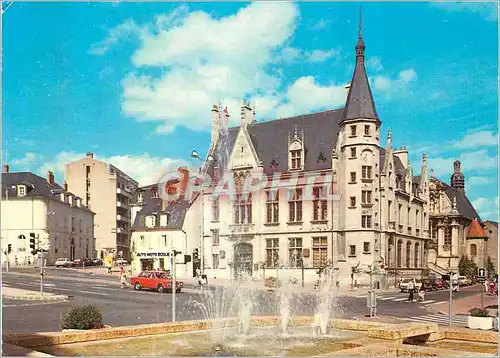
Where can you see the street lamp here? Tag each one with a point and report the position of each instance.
(196, 155)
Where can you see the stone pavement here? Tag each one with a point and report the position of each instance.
(10, 350)
(463, 305)
(27, 295)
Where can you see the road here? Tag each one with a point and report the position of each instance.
(128, 307)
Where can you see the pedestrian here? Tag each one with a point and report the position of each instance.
(411, 287)
(421, 294)
(123, 277)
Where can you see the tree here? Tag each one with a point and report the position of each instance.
(467, 268)
(490, 268)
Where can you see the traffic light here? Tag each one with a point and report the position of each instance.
(9, 248)
(195, 255)
(32, 243)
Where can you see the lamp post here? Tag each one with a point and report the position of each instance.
(195, 155)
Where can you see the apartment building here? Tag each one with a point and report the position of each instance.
(105, 190)
(58, 219)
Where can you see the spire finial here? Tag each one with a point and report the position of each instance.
(360, 32)
(424, 158)
(389, 134)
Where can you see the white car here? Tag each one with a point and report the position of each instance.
(403, 286)
(63, 262)
(121, 262)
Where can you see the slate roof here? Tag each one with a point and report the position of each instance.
(360, 103)
(475, 231)
(36, 186)
(176, 211)
(464, 206)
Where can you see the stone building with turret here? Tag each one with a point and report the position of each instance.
(456, 229)
(380, 217)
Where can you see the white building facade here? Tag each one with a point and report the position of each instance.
(61, 224)
(332, 196)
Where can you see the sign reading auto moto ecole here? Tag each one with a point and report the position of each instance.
(152, 254)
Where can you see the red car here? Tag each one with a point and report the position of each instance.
(155, 280)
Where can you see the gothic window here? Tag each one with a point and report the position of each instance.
(320, 205)
(243, 209)
(272, 252)
(295, 251)
(295, 206)
(215, 209)
(473, 250)
(408, 254)
(447, 237)
(272, 207)
(399, 253)
(416, 257)
(296, 155)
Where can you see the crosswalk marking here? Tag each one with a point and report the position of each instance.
(441, 319)
(387, 298)
(401, 299)
(426, 302)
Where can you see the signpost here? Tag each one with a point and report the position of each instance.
(449, 278)
(481, 277)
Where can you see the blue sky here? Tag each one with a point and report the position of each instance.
(134, 83)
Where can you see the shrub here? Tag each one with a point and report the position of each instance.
(84, 317)
(479, 312)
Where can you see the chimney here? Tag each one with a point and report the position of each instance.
(6, 168)
(65, 186)
(90, 155)
(247, 114)
(216, 118)
(50, 177)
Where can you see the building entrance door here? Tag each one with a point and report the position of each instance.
(243, 259)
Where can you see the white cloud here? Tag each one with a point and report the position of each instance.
(487, 10)
(128, 28)
(474, 139)
(306, 94)
(28, 160)
(471, 161)
(400, 84)
(321, 24)
(487, 208)
(320, 55)
(477, 181)
(374, 63)
(293, 55)
(146, 169)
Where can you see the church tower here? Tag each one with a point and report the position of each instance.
(359, 156)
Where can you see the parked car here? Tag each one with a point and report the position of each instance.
(462, 281)
(97, 262)
(155, 280)
(440, 284)
(404, 284)
(63, 262)
(429, 285)
(121, 262)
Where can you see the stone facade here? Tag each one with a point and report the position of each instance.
(491, 231)
(61, 224)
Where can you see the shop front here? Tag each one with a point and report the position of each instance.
(145, 261)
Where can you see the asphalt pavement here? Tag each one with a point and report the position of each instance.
(129, 307)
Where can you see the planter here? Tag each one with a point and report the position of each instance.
(83, 330)
(484, 323)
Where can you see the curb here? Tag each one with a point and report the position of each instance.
(36, 297)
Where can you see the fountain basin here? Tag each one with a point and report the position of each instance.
(264, 338)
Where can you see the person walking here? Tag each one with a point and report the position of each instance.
(411, 288)
(123, 278)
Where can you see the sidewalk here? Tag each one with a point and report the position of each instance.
(10, 350)
(462, 306)
(26, 295)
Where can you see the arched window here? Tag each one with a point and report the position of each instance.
(473, 250)
(408, 254)
(399, 253)
(417, 255)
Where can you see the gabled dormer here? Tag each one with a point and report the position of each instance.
(151, 221)
(21, 190)
(296, 151)
(244, 155)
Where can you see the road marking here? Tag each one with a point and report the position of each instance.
(441, 319)
(401, 299)
(428, 301)
(387, 298)
(362, 296)
(94, 293)
(106, 288)
(49, 285)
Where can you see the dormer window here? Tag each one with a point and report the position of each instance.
(296, 156)
(151, 221)
(140, 197)
(353, 131)
(164, 220)
(154, 192)
(21, 190)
